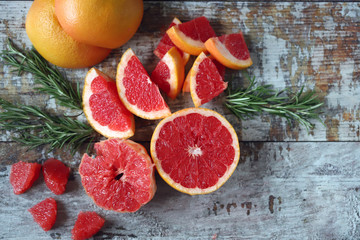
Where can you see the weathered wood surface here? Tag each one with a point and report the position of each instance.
(289, 184)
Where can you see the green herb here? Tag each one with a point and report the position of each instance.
(49, 78)
(36, 127)
(255, 99)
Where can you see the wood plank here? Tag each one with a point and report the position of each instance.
(278, 191)
(291, 44)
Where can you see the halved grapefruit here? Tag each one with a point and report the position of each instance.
(169, 73)
(219, 66)
(205, 80)
(195, 150)
(120, 177)
(230, 50)
(191, 36)
(103, 108)
(136, 90)
(166, 44)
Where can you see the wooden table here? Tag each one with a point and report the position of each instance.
(289, 184)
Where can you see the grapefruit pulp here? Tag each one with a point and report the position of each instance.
(103, 108)
(120, 177)
(23, 175)
(44, 213)
(87, 225)
(195, 150)
(56, 175)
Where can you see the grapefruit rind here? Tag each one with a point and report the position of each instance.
(168, 179)
(87, 92)
(121, 90)
(223, 55)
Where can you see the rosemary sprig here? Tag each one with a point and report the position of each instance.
(36, 127)
(255, 99)
(49, 78)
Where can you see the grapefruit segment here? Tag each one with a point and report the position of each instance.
(195, 150)
(169, 73)
(230, 50)
(103, 108)
(205, 80)
(56, 175)
(136, 90)
(191, 36)
(166, 44)
(87, 224)
(44, 213)
(23, 175)
(121, 177)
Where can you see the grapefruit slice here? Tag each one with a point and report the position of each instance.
(44, 213)
(136, 90)
(103, 108)
(169, 73)
(195, 150)
(121, 177)
(191, 36)
(87, 225)
(56, 175)
(166, 44)
(205, 80)
(23, 175)
(230, 50)
(219, 66)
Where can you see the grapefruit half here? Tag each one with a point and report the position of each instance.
(195, 150)
(120, 177)
(136, 90)
(103, 108)
(230, 50)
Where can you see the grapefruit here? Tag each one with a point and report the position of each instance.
(103, 108)
(195, 150)
(166, 44)
(23, 175)
(120, 177)
(56, 175)
(169, 73)
(107, 24)
(205, 80)
(87, 225)
(219, 66)
(136, 90)
(57, 47)
(191, 36)
(44, 213)
(230, 50)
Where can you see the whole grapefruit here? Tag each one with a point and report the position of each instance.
(56, 46)
(107, 24)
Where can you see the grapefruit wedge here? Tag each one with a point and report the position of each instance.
(230, 50)
(195, 150)
(169, 73)
(103, 108)
(23, 175)
(120, 177)
(44, 213)
(191, 36)
(136, 90)
(87, 224)
(166, 44)
(205, 80)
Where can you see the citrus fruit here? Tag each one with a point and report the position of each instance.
(44, 213)
(120, 177)
(56, 175)
(191, 36)
(219, 66)
(23, 175)
(166, 44)
(205, 80)
(195, 150)
(136, 90)
(169, 73)
(57, 47)
(107, 24)
(87, 225)
(230, 50)
(103, 108)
